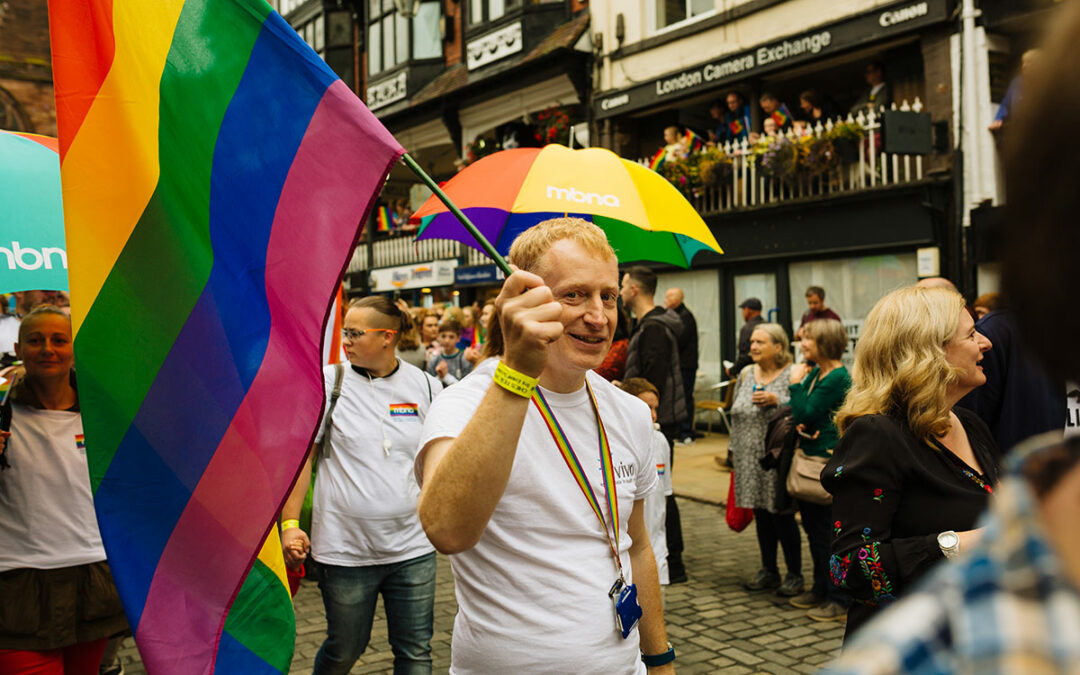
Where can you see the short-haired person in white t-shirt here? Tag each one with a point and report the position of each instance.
(58, 598)
(538, 582)
(365, 535)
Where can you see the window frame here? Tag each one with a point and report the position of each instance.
(652, 17)
(392, 13)
(509, 9)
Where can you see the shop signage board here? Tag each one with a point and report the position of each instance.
(881, 23)
(478, 274)
(405, 277)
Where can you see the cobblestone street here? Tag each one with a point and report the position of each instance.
(715, 625)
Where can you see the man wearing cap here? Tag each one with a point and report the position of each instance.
(751, 314)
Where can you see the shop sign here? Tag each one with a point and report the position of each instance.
(494, 46)
(478, 274)
(384, 93)
(869, 27)
(404, 277)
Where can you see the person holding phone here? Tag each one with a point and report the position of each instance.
(911, 473)
(816, 395)
(758, 392)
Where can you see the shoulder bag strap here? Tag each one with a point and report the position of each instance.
(339, 377)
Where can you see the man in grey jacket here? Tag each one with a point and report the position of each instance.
(653, 353)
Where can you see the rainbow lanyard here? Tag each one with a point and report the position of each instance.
(578, 472)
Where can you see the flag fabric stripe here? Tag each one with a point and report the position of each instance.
(120, 131)
(47, 141)
(206, 302)
(239, 644)
(176, 260)
(89, 73)
(198, 371)
(255, 438)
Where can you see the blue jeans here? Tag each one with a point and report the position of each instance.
(349, 595)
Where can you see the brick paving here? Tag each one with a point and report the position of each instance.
(715, 625)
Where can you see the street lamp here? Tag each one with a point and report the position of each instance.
(407, 8)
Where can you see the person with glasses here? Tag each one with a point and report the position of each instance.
(366, 538)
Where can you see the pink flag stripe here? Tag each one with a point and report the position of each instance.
(261, 442)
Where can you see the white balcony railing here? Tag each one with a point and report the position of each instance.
(401, 249)
(746, 185)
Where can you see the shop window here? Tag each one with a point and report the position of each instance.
(852, 286)
(481, 11)
(672, 13)
(394, 39)
(701, 295)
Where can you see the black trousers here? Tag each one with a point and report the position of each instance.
(773, 528)
(817, 522)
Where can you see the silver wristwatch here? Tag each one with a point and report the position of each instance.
(949, 543)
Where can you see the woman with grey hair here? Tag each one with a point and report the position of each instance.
(758, 392)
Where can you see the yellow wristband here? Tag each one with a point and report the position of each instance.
(290, 525)
(513, 381)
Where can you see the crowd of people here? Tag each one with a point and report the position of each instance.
(731, 119)
(532, 439)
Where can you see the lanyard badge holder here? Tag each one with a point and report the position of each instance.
(623, 595)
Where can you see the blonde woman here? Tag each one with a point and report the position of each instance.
(758, 392)
(910, 474)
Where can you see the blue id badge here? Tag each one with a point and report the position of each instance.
(627, 609)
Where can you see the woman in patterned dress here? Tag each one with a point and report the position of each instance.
(758, 392)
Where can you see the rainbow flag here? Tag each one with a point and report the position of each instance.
(214, 171)
(657, 160)
(782, 116)
(693, 142)
(736, 127)
(383, 219)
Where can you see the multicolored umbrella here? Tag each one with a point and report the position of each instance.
(503, 194)
(32, 251)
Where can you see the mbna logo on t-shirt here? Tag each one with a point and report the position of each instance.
(404, 410)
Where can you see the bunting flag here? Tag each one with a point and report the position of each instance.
(214, 174)
(383, 219)
(657, 160)
(693, 142)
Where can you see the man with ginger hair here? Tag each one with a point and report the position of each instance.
(540, 573)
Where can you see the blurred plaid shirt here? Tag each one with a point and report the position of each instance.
(1004, 607)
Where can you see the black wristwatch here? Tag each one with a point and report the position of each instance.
(661, 659)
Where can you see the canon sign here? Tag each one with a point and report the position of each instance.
(575, 195)
(898, 16)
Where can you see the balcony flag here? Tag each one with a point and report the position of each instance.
(215, 172)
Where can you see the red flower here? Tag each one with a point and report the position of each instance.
(836, 524)
(877, 492)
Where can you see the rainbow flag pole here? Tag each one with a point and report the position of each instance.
(214, 172)
(462, 218)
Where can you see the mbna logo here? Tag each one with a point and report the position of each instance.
(575, 195)
(32, 258)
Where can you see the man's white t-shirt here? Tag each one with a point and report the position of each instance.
(656, 505)
(364, 507)
(48, 520)
(533, 593)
